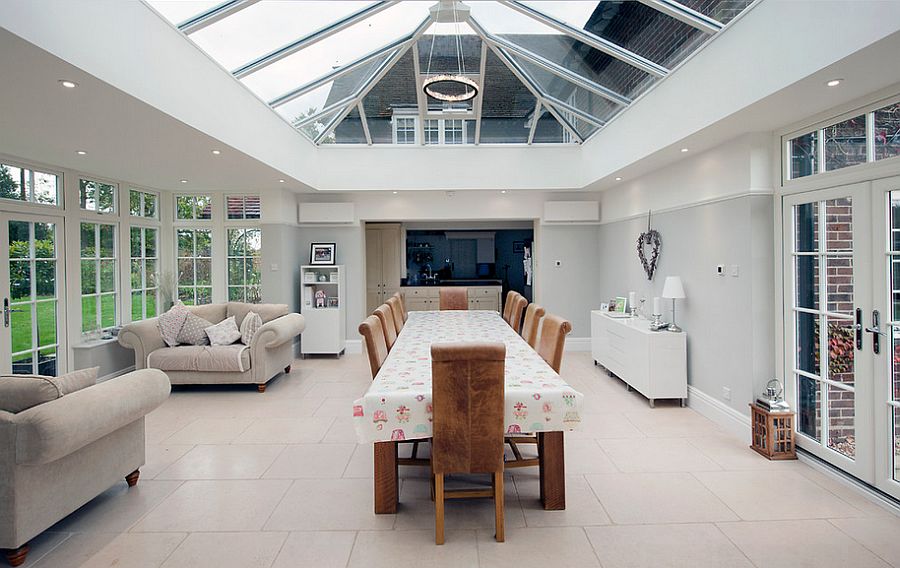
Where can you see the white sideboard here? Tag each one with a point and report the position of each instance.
(654, 363)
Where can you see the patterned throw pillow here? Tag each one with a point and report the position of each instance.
(170, 323)
(251, 324)
(193, 332)
(223, 333)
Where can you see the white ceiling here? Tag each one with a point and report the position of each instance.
(124, 138)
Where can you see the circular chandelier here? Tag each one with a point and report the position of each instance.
(450, 87)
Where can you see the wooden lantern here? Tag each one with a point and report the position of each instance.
(773, 433)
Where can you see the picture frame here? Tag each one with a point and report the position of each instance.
(604, 306)
(621, 302)
(322, 254)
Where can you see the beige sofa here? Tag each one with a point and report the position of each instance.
(57, 456)
(270, 351)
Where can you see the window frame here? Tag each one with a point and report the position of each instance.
(194, 207)
(243, 216)
(194, 258)
(115, 196)
(395, 129)
(144, 289)
(143, 193)
(245, 258)
(31, 203)
(97, 259)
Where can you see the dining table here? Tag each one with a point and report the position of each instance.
(397, 407)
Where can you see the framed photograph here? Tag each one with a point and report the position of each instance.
(332, 302)
(604, 306)
(620, 304)
(322, 253)
(309, 277)
(518, 247)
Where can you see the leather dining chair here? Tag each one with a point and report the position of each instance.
(468, 402)
(402, 302)
(533, 315)
(553, 340)
(515, 316)
(376, 347)
(386, 315)
(508, 305)
(455, 298)
(397, 311)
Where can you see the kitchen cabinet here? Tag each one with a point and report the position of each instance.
(383, 267)
(423, 298)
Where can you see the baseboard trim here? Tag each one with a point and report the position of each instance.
(728, 418)
(578, 344)
(353, 346)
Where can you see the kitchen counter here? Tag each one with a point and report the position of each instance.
(482, 294)
(404, 282)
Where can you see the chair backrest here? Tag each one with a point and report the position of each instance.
(396, 311)
(508, 305)
(533, 315)
(515, 316)
(386, 315)
(402, 301)
(373, 337)
(553, 339)
(455, 298)
(467, 387)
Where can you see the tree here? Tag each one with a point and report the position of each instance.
(10, 188)
(313, 129)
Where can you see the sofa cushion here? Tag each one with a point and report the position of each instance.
(251, 324)
(76, 380)
(267, 312)
(223, 358)
(21, 392)
(225, 332)
(193, 332)
(170, 323)
(213, 313)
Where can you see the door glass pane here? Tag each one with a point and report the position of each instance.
(45, 278)
(44, 240)
(809, 412)
(839, 224)
(18, 240)
(46, 322)
(808, 342)
(896, 438)
(839, 284)
(845, 143)
(841, 412)
(47, 362)
(19, 280)
(21, 324)
(841, 351)
(806, 281)
(88, 313)
(806, 227)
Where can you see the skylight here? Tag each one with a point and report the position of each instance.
(544, 72)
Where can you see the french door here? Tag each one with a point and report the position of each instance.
(30, 275)
(842, 326)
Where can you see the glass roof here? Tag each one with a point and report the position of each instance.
(546, 72)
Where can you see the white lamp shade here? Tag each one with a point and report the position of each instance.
(673, 288)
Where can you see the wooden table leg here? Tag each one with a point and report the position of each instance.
(553, 470)
(387, 480)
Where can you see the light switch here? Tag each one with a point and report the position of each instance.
(557, 263)
(273, 267)
(720, 270)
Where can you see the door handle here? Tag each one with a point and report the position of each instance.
(6, 311)
(876, 332)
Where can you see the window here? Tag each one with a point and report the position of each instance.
(99, 290)
(97, 196)
(432, 131)
(22, 184)
(193, 207)
(453, 132)
(244, 250)
(405, 130)
(144, 272)
(887, 132)
(194, 265)
(845, 143)
(804, 155)
(143, 204)
(242, 207)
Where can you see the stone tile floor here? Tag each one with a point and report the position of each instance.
(237, 478)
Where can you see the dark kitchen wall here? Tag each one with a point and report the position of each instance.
(503, 246)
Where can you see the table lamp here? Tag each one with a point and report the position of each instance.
(674, 290)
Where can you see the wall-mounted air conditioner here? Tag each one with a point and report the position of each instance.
(571, 212)
(326, 213)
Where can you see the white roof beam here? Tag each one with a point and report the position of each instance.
(421, 99)
(534, 120)
(479, 98)
(365, 124)
(326, 111)
(684, 14)
(214, 14)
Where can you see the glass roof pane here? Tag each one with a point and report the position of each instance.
(177, 11)
(506, 107)
(721, 10)
(394, 94)
(313, 129)
(549, 130)
(352, 43)
(350, 130)
(260, 28)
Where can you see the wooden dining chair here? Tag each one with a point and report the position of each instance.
(386, 315)
(553, 340)
(397, 311)
(515, 316)
(508, 305)
(455, 298)
(402, 301)
(468, 401)
(376, 347)
(533, 315)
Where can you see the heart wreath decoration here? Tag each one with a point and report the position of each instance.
(652, 238)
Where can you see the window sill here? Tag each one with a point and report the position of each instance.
(94, 343)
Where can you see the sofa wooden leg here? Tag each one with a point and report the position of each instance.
(132, 478)
(261, 388)
(287, 369)
(16, 556)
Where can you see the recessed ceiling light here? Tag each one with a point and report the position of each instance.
(618, 179)
(834, 82)
(683, 150)
(281, 181)
(184, 181)
(80, 152)
(216, 152)
(68, 84)
(394, 192)
(502, 191)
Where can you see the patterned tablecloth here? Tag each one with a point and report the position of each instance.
(398, 404)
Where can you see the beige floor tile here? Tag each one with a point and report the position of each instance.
(222, 505)
(271, 405)
(656, 455)
(341, 431)
(732, 453)
(880, 535)
(74, 551)
(117, 508)
(41, 545)
(336, 407)
(136, 550)
(161, 456)
(416, 510)
(671, 422)
(647, 498)
(351, 390)
(605, 425)
(844, 490)
(327, 461)
(585, 456)
(227, 550)
(227, 461)
(210, 431)
(389, 549)
(670, 546)
(158, 426)
(561, 547)
(750, 495)
(319, 549)
(328, 504)
(285, 431)
(799, 544)
(362, 462)
(582, 506)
